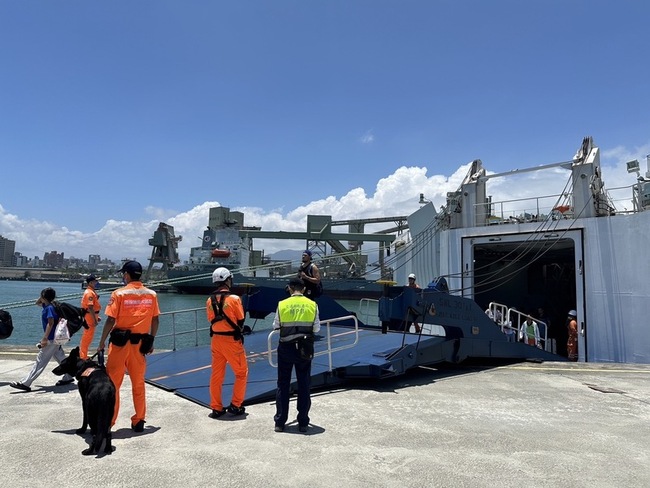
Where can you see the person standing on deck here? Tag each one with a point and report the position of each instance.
(90, 303)
(572, 342)
(310, 276)
(226, 315)
(132, 321)
(413, 284)
(297, 320)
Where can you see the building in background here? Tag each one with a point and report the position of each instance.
(7, 249)
(53, 259)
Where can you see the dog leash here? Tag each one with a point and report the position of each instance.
(100, 358)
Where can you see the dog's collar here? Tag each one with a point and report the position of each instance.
(87, 372)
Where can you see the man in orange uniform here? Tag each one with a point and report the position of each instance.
(132, 321)
(89, 302)
(572, 342)
(226, 316)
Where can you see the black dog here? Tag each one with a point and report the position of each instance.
(97, 398)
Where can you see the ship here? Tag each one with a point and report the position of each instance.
(227, 242)
(582, 249)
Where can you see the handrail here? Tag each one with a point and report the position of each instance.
(506, 322)
(329, 349)
(194, 331)
(520, 323)
(534, 210)
(364, 310)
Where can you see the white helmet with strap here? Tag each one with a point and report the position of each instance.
(220, 275)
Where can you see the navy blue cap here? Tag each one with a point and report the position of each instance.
(133, 268)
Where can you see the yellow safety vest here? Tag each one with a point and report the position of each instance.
(297, 316)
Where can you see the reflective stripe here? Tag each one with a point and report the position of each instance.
(297, 316)
(88, 372)
(133, 307)
(134, 291)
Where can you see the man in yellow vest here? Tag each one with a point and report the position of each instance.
(297, 320)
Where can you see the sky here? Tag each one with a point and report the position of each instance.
(117, 115)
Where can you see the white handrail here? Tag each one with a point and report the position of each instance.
(329, 349)
(364, 311)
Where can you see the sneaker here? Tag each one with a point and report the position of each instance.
(232, 410)
(217, 413)
(19, 386)
(139, 427)
(279, 428)
(302, 428)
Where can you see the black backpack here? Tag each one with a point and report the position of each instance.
(74, 315)
(312, 290)
(6, 324)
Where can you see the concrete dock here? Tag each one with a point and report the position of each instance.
(517, 425)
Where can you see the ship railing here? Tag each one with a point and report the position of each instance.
(368, 311)
(520, 210)
(511, 321)
(624, 199)
(330, 350)
(193, 328)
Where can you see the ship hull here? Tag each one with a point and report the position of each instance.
(197, 283)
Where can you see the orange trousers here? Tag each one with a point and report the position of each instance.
(86, 339)
(128, 358)
(225, 349)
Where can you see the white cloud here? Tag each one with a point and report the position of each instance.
(368, 137)
(396, 194)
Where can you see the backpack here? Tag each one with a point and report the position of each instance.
(312, 290)
(6, 324)
(74, 315)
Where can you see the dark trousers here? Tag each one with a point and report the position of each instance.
(288, 358)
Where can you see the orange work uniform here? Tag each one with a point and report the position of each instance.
(227, 349)
(572, 341)
(133, 307)
(89, 301)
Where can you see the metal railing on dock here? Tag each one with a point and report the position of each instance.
(327, 324)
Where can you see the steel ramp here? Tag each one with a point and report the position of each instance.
(468, 333)
(187, 372)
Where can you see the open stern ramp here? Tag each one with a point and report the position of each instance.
(340, 352)
(345, 352)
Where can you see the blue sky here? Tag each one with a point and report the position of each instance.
(140, 111)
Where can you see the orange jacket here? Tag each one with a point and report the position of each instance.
(133, 306)
(232, 307)
(90, 301)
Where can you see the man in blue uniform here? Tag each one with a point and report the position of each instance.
(297, 319)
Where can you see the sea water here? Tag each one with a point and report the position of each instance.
(183, 321)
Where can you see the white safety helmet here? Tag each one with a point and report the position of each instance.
(573, 313)
(411, 276)
(220, 275)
